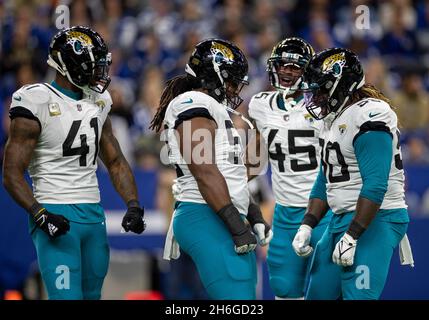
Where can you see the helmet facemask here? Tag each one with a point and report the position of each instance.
(100, 79)
(326, 97)
(285, 75)
(329, 80)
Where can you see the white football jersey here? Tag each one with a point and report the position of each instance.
(292, 139)
(344, 181)
(64, 161)
(228, 148)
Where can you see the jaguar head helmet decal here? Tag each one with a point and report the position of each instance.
(334, 64)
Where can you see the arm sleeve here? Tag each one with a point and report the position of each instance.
(196, 111)
(319, 188)
(373, 151)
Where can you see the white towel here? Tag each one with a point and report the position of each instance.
(405, 252)
(171, 247)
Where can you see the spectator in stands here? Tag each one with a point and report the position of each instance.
(415, 151)
(412, 102)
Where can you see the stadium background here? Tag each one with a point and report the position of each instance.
(150, 41)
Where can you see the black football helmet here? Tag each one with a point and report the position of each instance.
(291, 51)
(221, 68)
(331, 77)
(80, 54)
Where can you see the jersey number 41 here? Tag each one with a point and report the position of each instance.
(83, 150)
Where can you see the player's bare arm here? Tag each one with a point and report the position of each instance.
(207, 175)
(255, 159)
(122, 178)
(365, 212)
(23, 137)
(213, 187)
(115, 162)
(317, 208)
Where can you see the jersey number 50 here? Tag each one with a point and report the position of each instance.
(83, 150)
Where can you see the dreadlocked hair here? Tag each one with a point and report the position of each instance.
(175, 86)
(369, 91)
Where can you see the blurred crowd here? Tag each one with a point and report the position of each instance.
(150, 41)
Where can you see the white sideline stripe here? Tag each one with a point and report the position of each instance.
(156, 222)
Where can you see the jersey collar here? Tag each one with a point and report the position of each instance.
(69, 93)
(281, 102)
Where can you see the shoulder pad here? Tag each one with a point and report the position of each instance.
(264, 95)
(34, 93)
(260, 104)
(374, 110)
(103, 98)
(194, 97)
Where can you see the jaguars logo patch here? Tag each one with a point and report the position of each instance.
(334, 64)
(100, 104)
(308, 117)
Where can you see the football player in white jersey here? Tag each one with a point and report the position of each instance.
(362, 181)
(212, 197)
(291, 135)
(57, 132)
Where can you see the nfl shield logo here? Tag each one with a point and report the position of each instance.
(286, 117)
(79, 107)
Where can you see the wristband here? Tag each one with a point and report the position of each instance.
(310, 220)
(232, 219)
(254, 214)
(133, 203)
(36, 210)
(355, 230)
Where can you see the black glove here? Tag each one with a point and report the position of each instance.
(243, 238)
(133, 219)
(54, 225)
(261, 229)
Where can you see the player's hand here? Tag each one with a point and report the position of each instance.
(133, 220)
(261, 229)
(301, 242)
(344, 251)
(245, 242)
(54, 225)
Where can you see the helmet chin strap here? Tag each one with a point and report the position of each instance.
(352, 87)
(288, 91)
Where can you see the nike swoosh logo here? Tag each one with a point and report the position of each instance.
(17, 98)
(371, 115)
(189, 101)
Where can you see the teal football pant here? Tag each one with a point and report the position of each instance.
(73, 266)
(366, 278)
(288, 273)
(205, 238)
